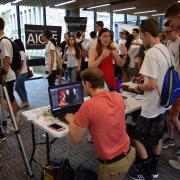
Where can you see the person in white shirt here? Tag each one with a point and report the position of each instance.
(173, 18)
(23, 75)
(6, 54)
(50, 57)
(150, 126)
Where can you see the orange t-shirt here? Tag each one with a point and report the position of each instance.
(104, 115)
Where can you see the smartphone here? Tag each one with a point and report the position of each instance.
(57, 127)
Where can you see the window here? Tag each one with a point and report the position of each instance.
(55, 17)
(29, 16)
(90, 21)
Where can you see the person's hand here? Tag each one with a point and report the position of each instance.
(105, 53)
(69, 117)
(135, 88)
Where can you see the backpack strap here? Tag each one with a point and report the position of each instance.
(170, 65)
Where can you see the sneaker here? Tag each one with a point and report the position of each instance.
(168, 142)
(155, 174)
(24, 105)
(136, 174)
(175, 164)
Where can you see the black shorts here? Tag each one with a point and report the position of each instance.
(10, 90)
(150, 130)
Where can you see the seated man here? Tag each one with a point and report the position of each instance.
(104, 116)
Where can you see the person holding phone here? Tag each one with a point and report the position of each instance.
(106, 124)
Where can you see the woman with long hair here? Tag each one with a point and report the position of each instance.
(73, 56)
(23, 74)
(103, 55)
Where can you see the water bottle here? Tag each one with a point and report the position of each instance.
(119, 85)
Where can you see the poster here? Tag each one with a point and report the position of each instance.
(34, 33)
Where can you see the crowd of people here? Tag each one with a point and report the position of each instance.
(98, 63)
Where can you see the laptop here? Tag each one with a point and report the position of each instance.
(65, 98)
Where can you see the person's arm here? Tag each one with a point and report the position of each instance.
(93, 62)
(79, 62)
(76, 133)
(6, 64)
(118, 60)
(51, 61)
(64, 56)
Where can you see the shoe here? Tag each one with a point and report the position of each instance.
(168, 142)
(155, 174)
(136, 174)
(175, 164)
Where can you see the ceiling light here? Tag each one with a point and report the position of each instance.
(143, 12)
(158, 14)
(125, 9)
(178, 1)
(67, 2)
(14, 2)
(93, 7)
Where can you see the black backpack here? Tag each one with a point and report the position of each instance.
(16, 59)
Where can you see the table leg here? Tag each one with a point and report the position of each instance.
(33, 143)
(47, 148)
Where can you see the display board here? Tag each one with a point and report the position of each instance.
(75, 24)
(34, 33)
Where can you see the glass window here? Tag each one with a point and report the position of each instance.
(90, 21)
(55, 17)
(131, 19)
(105, 17)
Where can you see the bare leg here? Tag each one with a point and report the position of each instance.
(141, 150)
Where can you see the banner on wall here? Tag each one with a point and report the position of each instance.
(33, 35)
(75, 24)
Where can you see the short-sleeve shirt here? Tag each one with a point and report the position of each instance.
(6, 50)
(50, 46)
(155, 66)
(104, 115)
(174, 48)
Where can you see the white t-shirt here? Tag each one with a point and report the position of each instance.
(133, 51)
(6, 50)
(23, 58)
(50, 46)
(154, 65)
(91, 44)
(174, 48)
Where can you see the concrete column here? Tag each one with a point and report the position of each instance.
(125, 19)
(95, 19)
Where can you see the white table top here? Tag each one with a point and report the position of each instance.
(37, 117)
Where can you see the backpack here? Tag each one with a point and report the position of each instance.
(16, 59)
(57, 169)
(171, 86)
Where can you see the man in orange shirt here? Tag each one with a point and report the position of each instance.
(104, 116)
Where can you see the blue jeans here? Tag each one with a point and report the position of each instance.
(20, 86)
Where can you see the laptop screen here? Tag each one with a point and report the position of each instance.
(65, 95)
